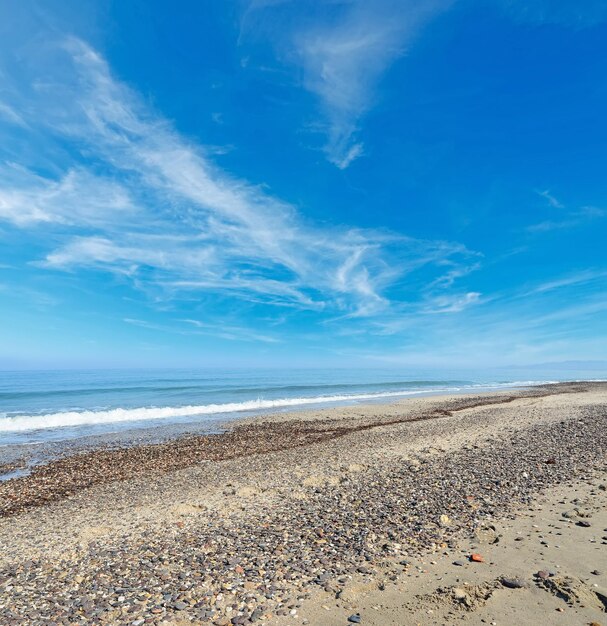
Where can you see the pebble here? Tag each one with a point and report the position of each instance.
(246, 567)
(354, 619)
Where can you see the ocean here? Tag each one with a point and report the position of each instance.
(46, 406)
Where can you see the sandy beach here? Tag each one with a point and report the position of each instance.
(303, 314)
(367, 514)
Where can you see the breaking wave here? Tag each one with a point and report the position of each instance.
(24, 423)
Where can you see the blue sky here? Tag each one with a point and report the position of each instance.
(286, 183)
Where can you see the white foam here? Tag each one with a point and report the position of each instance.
(24, 423)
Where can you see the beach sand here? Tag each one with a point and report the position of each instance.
(317, 516)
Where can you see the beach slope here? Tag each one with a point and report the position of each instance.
(364, 513)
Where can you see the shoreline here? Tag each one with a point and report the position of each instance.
(24, 456)
(58, 474)
(235, 528)
(164, 431)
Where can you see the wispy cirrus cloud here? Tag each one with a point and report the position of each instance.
(79, 197)
(342, 48)
(151, 206)
(529, 325)
(455, 272)
(9, 114)
(453, 303)
(230, 331)
(552, 201)
(572, 220)
(344, 54)
(36, 297)
(571, 280)
(221, 330)
(567, 218)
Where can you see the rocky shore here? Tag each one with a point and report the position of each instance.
(252, 524)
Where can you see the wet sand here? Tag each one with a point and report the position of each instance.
(284, 514)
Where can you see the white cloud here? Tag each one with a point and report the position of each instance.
(79, 197)
(228, 331)
(159, 212)
(453, 303)
(572, 280)
(9, 114)
(219, 330)
(552, 201)
(345, 48)
(36, 297)
(343, 160)
(343, 55)
(572, 219)
(453, 274)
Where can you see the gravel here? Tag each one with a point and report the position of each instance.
(239, 569)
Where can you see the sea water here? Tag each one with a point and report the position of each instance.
(42, 406)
